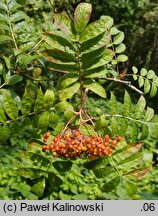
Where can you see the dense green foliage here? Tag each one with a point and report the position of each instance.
(63, 76)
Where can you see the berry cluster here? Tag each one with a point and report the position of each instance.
(76, 145)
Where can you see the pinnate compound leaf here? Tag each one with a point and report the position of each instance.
(48, 99)
(95, 87)
(4, 133)
(62, 166)
(140, 106)
(39, 187)
(69, 91)
(110, 185)
(67, 80)
(39, 101)
(96, 28)
(82, 16)
(25, 103)
(9, 106)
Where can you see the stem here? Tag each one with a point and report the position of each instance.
(35, 46)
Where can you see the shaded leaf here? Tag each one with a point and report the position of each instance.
(113, 104)
(54, 181)
(97, 163)
(38, 187)
(62, 106)
(4, 38)
(82, 16)
(62, 166)
(144, 132)
(31, 173)
(103, 172)
(14, 79)
(110, 185)
(24, 60)
(4, 133)
(2, 115)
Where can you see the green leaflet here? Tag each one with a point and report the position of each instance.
(18, 16)
(48, 99)
(63, 22)
(13, 6)
(53, 120)
(3, 6)
(62, 166)
(127, 104)
(25, 103)
(143, 72)
(4, 133)
(39, 101)
(135, 70)
(9, 106)
(140, 106)
(120, 48)
(96, 28)
(54, 181)
(153, 90)
(110, 185)
(121, 58)
(146, 86)
(150, 74)
(2, 115)
(14, 79)
(43, 121)
(55, 55)
(69, 91)
(130, 188)
(144, 132)
(95, 87)
(82, 16)
(149, 114)
(67, 80)
(135, 131)
(39, 187)
(130, 161)
(117, 39)
(113, 104)
(97, 163)
(61, 67)
(62, 106)
(4, 38)
(95, 72)
(31, 173)
(104, 172)
(123, 126)
(140, 81)
(24, 60)
(60, 38)
(114, 125)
